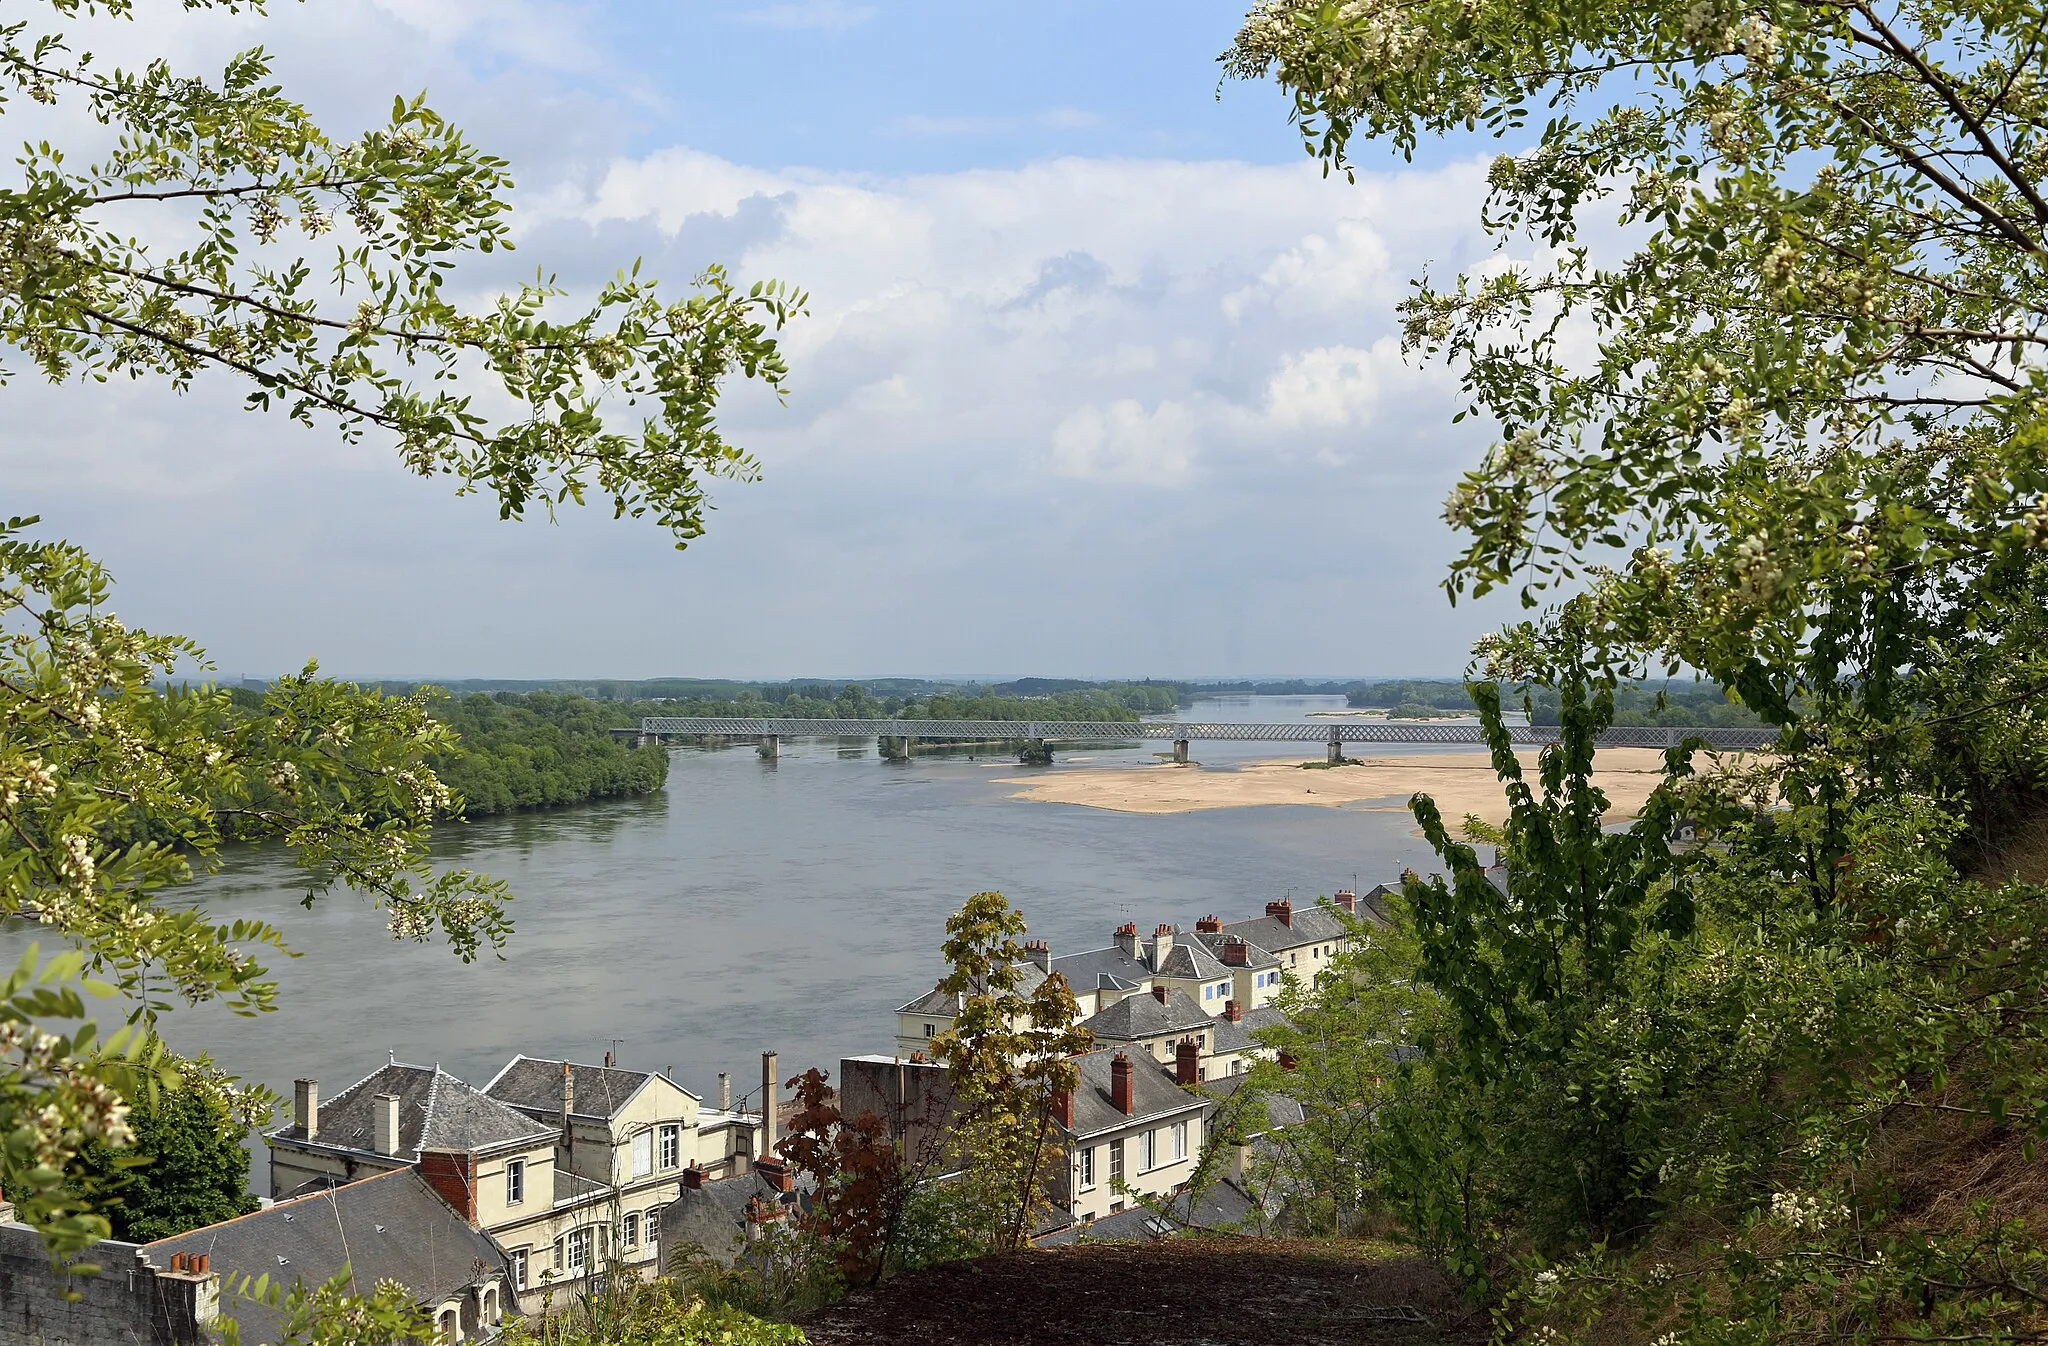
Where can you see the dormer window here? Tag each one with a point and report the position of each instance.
(515, 1183)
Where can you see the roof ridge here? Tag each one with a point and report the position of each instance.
(427, 1108)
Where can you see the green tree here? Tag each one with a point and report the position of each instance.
(190, 1137)
(115, 779)
(1008, 1055)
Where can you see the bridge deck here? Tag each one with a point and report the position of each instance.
(1093, 731)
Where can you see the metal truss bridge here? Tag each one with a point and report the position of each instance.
(655, 728)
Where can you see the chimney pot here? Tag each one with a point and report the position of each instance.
(1187, 1062)
(1208, 925)
(306, 1107)
(693, 1178)
(387, 1124)
(205, 1261)
(1347, 901)
(1120, 1083)
(1282, 911)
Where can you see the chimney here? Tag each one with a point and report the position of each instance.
(1208, 925)
(1282, 911)
(1120, 1083)
(452, 1173)
(1039, 952)
(1231, 1011)
(1162, 945)
(1187, 1062)
(771, 1093)
(725, 1091)
(1347, 901)
(387, 1123)
(1159, 994)
(607, 1060)
(306, 1107)
(775, 1173)
(693, 1178)
(1288, 1061)
(1127, 938)
(1063, 1108)
(1234, 953)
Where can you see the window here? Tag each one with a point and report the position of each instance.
(519, 1268)
(1088, 1167)
(931, 1030)
(1180, 1140)
(1236, 1066)
(558, 1254)
(629, 1230)
(579, 1252)
(643, 1154)
(1116, 1160)
(653, 1227)
(1202, 1042)
(1202, 1073)
(515, 1182)
(671, 1146)
(1115, 1206)
(1208, 993)
(1148, 1151)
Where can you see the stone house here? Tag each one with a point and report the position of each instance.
(394, 1225)
(1127, 1120)
(1304, 941)
(1156, 1025)
(566, 1165)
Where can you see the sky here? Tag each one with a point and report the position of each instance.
(1101, 375)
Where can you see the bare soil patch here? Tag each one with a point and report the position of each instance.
(1177, 1292)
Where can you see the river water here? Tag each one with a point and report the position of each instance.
(756, 905)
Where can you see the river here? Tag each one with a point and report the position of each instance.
(754, 905)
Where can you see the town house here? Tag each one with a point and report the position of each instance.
(1127, 1120)
(566, 1165)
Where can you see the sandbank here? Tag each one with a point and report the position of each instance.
(1461, 783)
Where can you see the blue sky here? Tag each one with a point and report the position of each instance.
(1101, 376)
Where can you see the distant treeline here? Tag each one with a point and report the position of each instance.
(539, 750)
(1683, 705)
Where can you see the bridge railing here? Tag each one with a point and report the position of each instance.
(1098, 731)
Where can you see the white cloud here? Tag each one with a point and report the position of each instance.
(996, 364)
(834, 16)
(1123, 442)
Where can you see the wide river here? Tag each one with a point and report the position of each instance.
(753, 905)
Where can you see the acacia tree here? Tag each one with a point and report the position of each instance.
(1008, 1056)
(114, 781)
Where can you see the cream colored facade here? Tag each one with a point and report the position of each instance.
(1155, 1157)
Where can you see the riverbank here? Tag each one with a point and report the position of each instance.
(1461, 783)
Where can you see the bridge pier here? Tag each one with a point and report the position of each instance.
(1180, 752)
(1336, 752)
(771, 746)
(647, 741)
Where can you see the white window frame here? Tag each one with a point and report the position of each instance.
(581, 1244)
(1180, 1141)
(515, 1182)
(642, 1149)
(931, 1030)
(1148, 1151)
(1087, 1166)
(519, 1256)
(629, 1230)
(650, 1226)
(671, 1146)
(1116, 1159)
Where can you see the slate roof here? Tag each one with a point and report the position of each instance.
(1189, 961)
(1225, 1036)
(1311, 924)
(714, 1216)
(392, 1226)
(944, 1005)
(1139, 1017)
(1102, 969)
(1254, 956)
(1221, 1205)
(1280, 1109)
(435, 1111)
(534, 1086)
(1154, 1095)
(1265, 1016)
(571, 1187)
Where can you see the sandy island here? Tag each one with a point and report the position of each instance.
(1461, 783)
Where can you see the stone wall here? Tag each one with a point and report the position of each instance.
(129, 1303)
